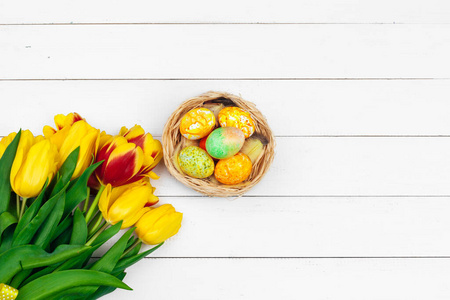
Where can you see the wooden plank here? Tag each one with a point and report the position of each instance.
(225, 51)
(289, 279)
(308, 227)
(320, 107)
(347, 166)
(306, 11)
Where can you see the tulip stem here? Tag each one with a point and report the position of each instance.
(86, 202)
(136, 242)
(92, 239)
(18, 205)
(22, 209)
(93, 207)
(95, 223)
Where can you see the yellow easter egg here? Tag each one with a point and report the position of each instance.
(237, 117)
(197, 123)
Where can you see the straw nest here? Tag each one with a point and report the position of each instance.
(173, 142)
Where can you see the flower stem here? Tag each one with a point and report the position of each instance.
(93, 207)
(86, 202)
(92, 239)
(95, 223)
(22, 209)
(18, 205)
(136, 242)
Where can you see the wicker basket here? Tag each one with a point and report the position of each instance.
(173, 142)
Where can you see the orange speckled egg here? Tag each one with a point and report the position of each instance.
(237, 117)
(233, 170)
(197, 123)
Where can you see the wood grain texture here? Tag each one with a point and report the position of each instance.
(355, 205)
(290, 279)
(225, 51)
(307, 107)
(308, 227)
(305, 11)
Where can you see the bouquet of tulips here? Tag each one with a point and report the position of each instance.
(66, 193)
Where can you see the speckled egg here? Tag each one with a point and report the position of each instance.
(195, 162)
(225, 142)
(197, 123)
(237, 117)
(233, 170)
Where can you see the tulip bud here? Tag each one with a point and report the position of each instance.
(73, 132)
(158, 224)
(36, 161)
(82, 135)
(126, 203)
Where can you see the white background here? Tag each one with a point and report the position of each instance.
(357, 202)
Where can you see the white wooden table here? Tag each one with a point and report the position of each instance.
(356, 204)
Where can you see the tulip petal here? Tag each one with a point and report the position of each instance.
(104, 201)
(48, 131)
(134, 132)
(123, 164)
(38, 166)
(134, 218)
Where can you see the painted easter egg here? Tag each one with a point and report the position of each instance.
(197, 123)
(224, 142)
(237, 117)
(195, 162)
(233, 170)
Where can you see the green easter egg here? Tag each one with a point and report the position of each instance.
(224, 142)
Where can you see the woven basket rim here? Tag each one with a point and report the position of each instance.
(172, 137)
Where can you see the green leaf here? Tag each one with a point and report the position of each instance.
(31, 212)
(78, 191)
(79, 232)
(48, 228)
(20, 277)
(5, 170)
(61, 240)
(109, 260)
(66, 171)
(104, 290)
(45, 271)
(76, 262)
(31, 256)
(107, 234)
(63, 227)
(7, 238)
(136, 248)
(57, 284)
(129, 261)
(27, 233)
(6, 220)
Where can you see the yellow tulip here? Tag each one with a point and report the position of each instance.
(36, 161)
(158, 224)
(5, 141)
(126, 203)
(70, 136)
(82, 135)
(62, 121)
